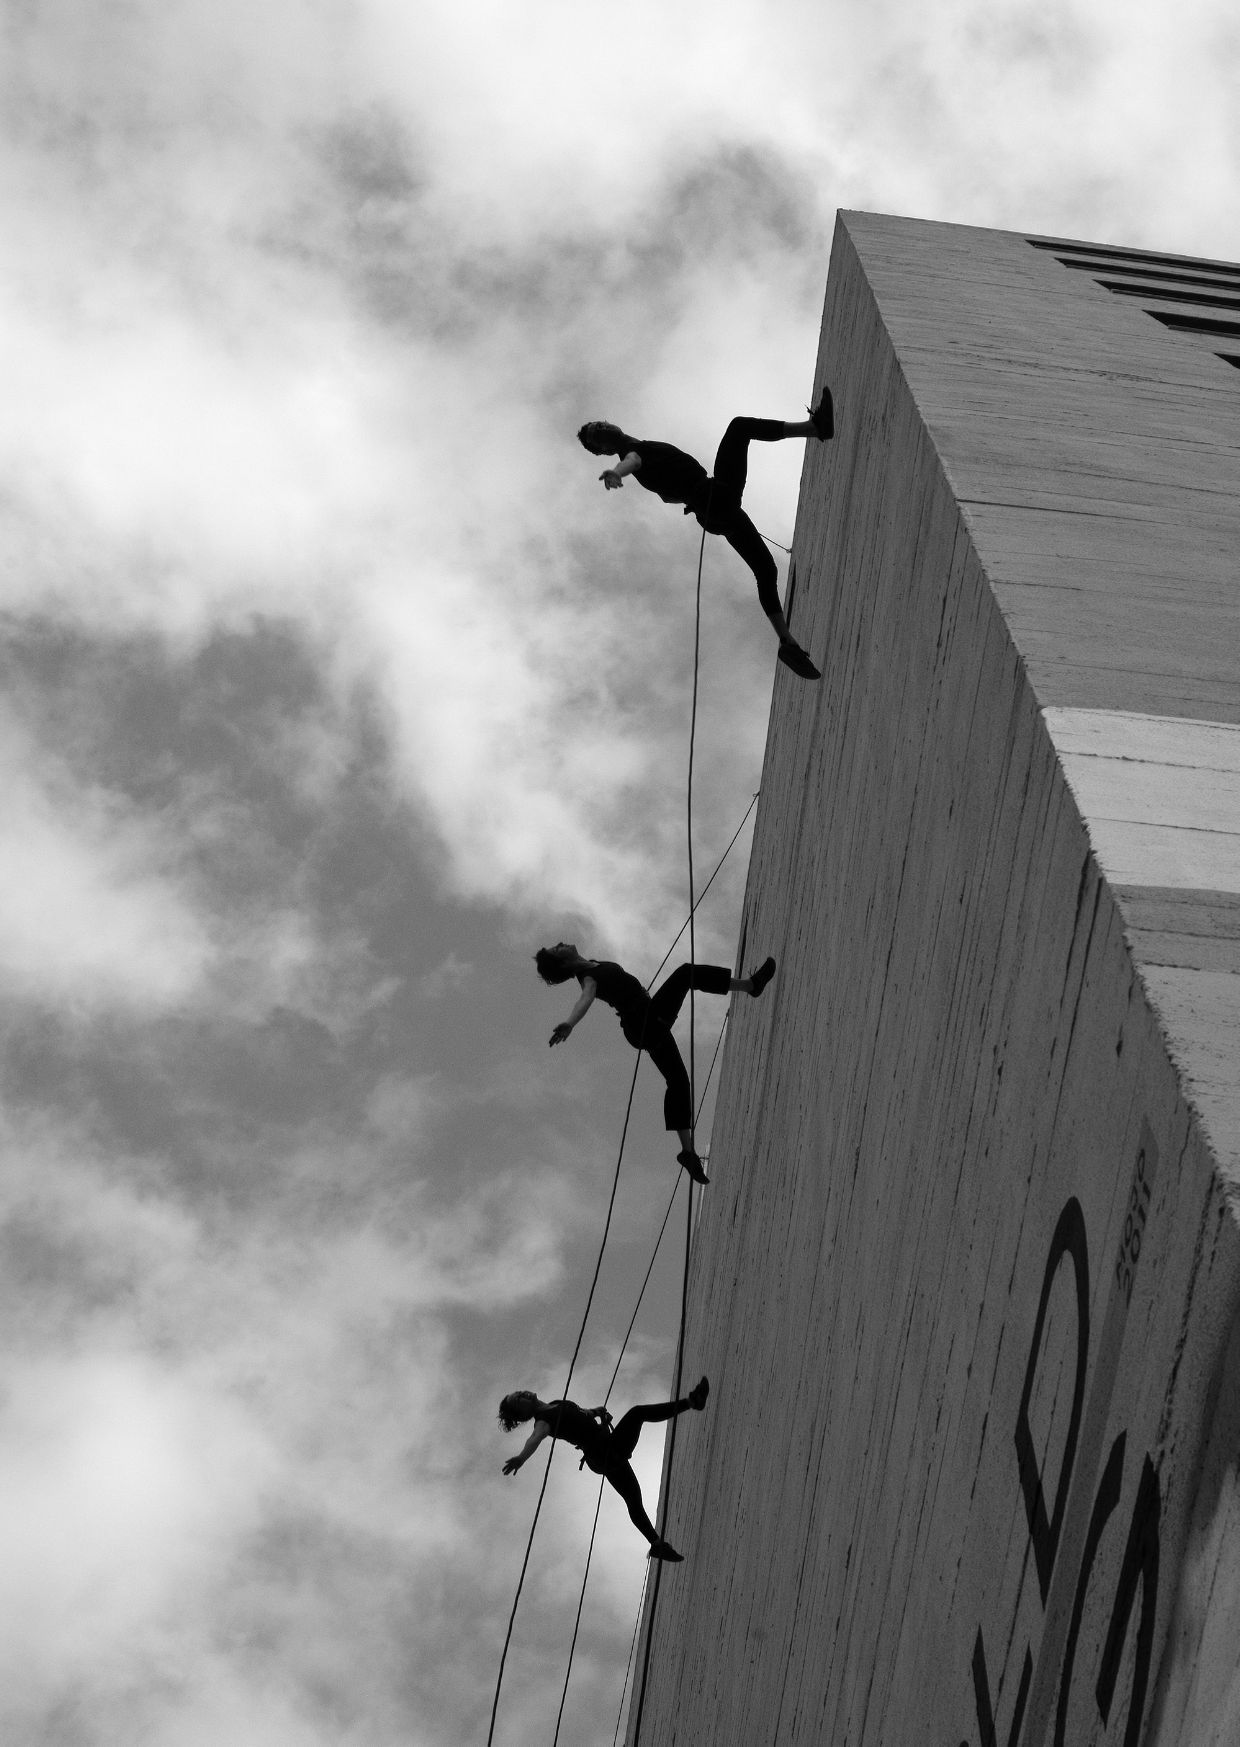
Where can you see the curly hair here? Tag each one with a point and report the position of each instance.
(551, 968)
(515, 1409)
(595, 429)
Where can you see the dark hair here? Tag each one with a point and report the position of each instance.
(551, 967)
(593, 427)
(510, 1409)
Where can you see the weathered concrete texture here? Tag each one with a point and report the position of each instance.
(967, 1278)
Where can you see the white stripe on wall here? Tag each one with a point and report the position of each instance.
(1160, 795)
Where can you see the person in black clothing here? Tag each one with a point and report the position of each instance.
(606, 1448)
(716, 503)
(646, 1020)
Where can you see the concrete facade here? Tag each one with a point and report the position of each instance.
(967, 1279)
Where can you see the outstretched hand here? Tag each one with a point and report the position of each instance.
(512, 1464)
(612, 480)
(561, 1034)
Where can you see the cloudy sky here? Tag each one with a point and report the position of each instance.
(333, 684)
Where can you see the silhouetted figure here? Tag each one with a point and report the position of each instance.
(606, 1448)
(716, 503)
(646, 1020)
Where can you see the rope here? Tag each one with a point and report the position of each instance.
(581, 1602)
(628, 1667)
(695, 1113)
(710, 882)
(684, 1289)
(667, 1490)
(693, 903)
(611, 1202)
(697, 659)
(628, 1108)
(666, 1216)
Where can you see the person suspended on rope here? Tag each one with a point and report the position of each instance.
(646, 1020)
(716, 502)
(606, 1448)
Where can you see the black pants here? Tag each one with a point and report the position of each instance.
(723, 513)
(654, 1034)
(616, 1467)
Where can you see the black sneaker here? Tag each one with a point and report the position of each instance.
(792, 655)
(822, 416)
(761, 977)
(697, 1395)
(664, 1550)
(693, 1164)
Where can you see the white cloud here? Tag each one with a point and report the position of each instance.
(119, 1486)
(231, 1449)
(90, 907)
(300, 306)
(207, 416)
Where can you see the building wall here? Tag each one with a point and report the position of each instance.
(966, 1279)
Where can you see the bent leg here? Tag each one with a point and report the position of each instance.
(732, 459)
(669, 997)
(627, 1429)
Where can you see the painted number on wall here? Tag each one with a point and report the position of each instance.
(1138, 1572)
(1134, 1224)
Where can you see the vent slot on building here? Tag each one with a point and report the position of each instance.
(1172, 294)
(1108, 252)
(1207, 281)
(1160, 280)
(1196, 324)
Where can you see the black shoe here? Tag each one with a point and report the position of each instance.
(761, 977)
(697, 1395)
(792, 655)
(664, 1550)
(822, 416)
(693, 1164)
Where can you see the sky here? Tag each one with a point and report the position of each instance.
(333, 684)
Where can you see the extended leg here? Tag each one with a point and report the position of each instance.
(622, 1477)
(747, 542)
(725, 516)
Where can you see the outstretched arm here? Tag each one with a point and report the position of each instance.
(540, 1431)
(589, 988)
(615, 476)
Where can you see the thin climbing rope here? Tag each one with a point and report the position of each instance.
(697, 661)
(665, 1501)
(581, 1602)
(684, 1296)
(611, 1202)
(710, 882)
(628, 1667)
(585, 1576)
(697, 637)
(593, 1284)
(684, 1289)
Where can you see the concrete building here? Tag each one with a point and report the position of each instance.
(967, 1279)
